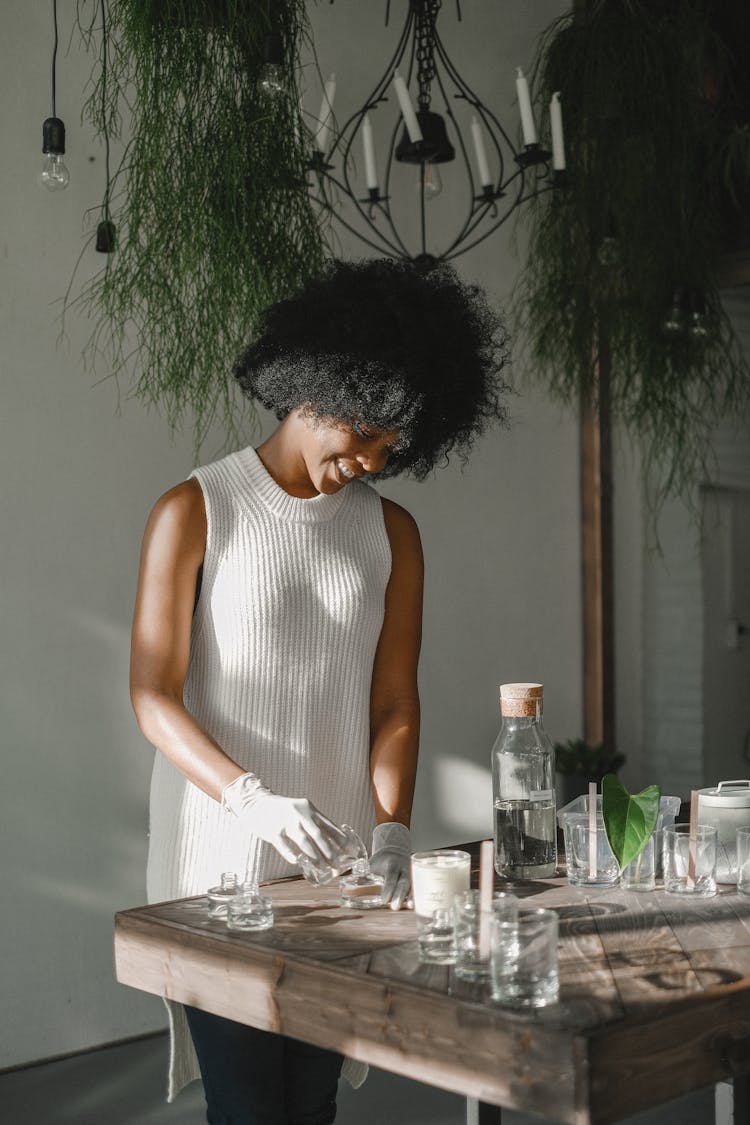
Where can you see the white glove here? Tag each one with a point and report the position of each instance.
(391, 858)
(292, 825)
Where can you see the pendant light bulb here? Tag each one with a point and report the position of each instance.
(54, 175)
(430, 180)
(272, 71)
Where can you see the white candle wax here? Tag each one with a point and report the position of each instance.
(323, 135)
(371, 174)
(483, 168)
(407, 109)
(436, 880)
(528, 126)
(558, 137)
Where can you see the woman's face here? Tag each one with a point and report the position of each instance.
(335, 454)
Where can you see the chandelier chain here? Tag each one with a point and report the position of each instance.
(424, 34)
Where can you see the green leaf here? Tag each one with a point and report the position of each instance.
(629, 819)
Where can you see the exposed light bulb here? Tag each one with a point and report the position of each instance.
(430, 180)
(54, 175)
(272, 78)
(673, 324)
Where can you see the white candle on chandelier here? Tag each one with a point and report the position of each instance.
(323, 135)
(407, 109)
(558, 138)
(371, 174)
(524, 104)
(483, 168)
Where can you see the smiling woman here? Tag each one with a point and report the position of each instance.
(278, 622)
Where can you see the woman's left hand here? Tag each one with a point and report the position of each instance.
(391, 858)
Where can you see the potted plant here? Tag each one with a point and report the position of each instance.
(578, 764)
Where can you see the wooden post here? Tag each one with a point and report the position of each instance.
(597, 556)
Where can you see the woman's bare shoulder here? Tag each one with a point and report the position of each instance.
(179, 515)
(401, 527)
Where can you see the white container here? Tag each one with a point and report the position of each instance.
(727, 807)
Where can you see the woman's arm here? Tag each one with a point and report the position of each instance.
(394, 700)
(173, 548)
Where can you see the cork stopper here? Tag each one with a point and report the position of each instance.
(521, 701)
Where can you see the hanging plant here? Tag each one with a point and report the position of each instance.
(622, 260)
(212, 219)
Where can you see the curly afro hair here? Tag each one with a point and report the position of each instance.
(383, 344)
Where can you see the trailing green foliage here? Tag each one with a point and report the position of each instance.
(629, 819)
(213, 219)
(657, 156)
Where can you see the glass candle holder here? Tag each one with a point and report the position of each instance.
(680, 876)
(604, 872)
(437, 876)
(640, 875)
(249, 910)
(524, 970)
(473, 928)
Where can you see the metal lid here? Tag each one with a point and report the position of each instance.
(727, 794)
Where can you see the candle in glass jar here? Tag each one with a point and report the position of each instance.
(436, 877)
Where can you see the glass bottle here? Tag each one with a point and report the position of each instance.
(249, 909)
(523, 787)
(218, 897)
(362, 890)
(321, 871)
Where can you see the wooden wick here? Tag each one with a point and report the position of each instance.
(486, 886)
(692, 839)
(593, 866)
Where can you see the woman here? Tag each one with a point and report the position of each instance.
(278, 618)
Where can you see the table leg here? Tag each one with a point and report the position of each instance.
(732, 1101)
(481, 1113)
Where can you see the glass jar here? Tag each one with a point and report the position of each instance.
(362, 890)
(523, 787)
(218, 897)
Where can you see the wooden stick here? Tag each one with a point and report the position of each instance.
(486, 886)
(593, 866)
(692, 839)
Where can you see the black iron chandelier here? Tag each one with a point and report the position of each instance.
(498, 177)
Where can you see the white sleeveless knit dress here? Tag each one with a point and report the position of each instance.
(282, 649)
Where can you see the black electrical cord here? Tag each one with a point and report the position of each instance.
(54, 59)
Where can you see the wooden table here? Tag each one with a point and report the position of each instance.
(655, 995)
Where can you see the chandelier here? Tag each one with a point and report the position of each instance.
(497, 177)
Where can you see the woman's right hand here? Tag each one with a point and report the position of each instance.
(292, 825)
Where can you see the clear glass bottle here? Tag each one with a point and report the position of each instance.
(362, 890)
(249, 910)
(218, 897)
(523, 787)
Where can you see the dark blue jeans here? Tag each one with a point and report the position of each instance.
(254, 1077)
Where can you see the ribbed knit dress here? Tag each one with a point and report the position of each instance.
(282, 648)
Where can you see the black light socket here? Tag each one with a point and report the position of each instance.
(106, 237)
(53, 137)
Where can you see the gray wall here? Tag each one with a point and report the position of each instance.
(82, 465)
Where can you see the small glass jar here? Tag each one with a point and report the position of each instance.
(219, 897)
(249, 909)
(362, 890)
(321, 871)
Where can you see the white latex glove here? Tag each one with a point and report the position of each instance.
(391, 858)
(292, 825)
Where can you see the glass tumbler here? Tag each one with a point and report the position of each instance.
(743, 860)
(524, 965)
(678, 878)
(473, 927)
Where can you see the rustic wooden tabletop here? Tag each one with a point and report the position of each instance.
(654, 999)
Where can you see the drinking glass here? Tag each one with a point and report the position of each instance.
(640, 875)
(524, 969)
(436, 877)
(472, 930)
(677, 846)
(581, 872)
(743, 860)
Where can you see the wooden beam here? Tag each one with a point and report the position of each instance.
(597, 561)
